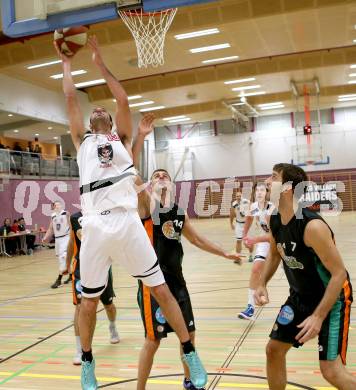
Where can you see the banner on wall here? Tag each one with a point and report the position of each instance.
(322, 197)
(32, 199)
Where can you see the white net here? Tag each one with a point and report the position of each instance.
(149, 31)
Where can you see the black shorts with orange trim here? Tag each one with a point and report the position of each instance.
(155, 324)
(106, 297)
(333, 336)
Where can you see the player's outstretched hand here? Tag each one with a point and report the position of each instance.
(310, 328)
(63, 57)
(261, 296)
(94, 46)
(145, 126)
(237, 257)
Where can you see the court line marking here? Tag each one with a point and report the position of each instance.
(152, 381)
(40, 341)
(290, 385)
(235, 349)
(23, 370)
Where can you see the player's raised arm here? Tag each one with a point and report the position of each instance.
(203, 243)
(123, 120)
(76, 121)
(145, 127)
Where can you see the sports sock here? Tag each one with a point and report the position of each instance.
(87, 356)
(112, 324)
(251, 299)
(188, 347)
(79, 346)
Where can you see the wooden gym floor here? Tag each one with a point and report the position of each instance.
(36, 334)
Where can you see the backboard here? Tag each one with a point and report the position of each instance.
(22, 18)
(305, 154)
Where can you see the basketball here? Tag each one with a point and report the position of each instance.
(70, 40)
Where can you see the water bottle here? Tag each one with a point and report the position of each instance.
(36, 227)
(5, 232)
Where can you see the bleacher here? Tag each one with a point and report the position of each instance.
(24, 164)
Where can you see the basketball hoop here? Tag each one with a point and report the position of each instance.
(149, 31)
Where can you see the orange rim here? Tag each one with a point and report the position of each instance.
(147, 14)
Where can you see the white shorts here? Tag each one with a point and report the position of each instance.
(61, 245)
(116, 234)
(239, 230)
(261, 253)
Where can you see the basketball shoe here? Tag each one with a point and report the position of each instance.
(57, 283)
(248, 313)
(88, 378)
(198, 376)
(114, 335)
(188, 385)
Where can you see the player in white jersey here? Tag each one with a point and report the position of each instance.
(239, 209)
(59, 227)
(111, 227)
(260, 212)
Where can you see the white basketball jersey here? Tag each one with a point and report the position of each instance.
(261, 217)
(106, 172)
(60, 224)
(241, 209)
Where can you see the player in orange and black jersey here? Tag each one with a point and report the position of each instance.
(106, 297)
(165, 224)
(320, 299)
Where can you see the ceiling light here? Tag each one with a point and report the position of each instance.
(68, 131)
(10, 115)
(220, 59)
(133, 97)
(152, 108)
(44, 64)
(36, 135)
(353, 66)
(130, 98)
(347, 96)
(270, 104)
(55, 137)
(179, 120)
(252, 94)
(352, 82)
(50, 128)
(347, 99)
(16, 131)
(90, 83)
(246, 88)
(352, 75)
(195, 34)
(74, 73)
(174, 117)
(354, 41)
(240, 80)
(141, 103)
(272, 107)
(238, 104)
(209, 48)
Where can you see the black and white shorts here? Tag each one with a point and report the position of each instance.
(116, 234)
